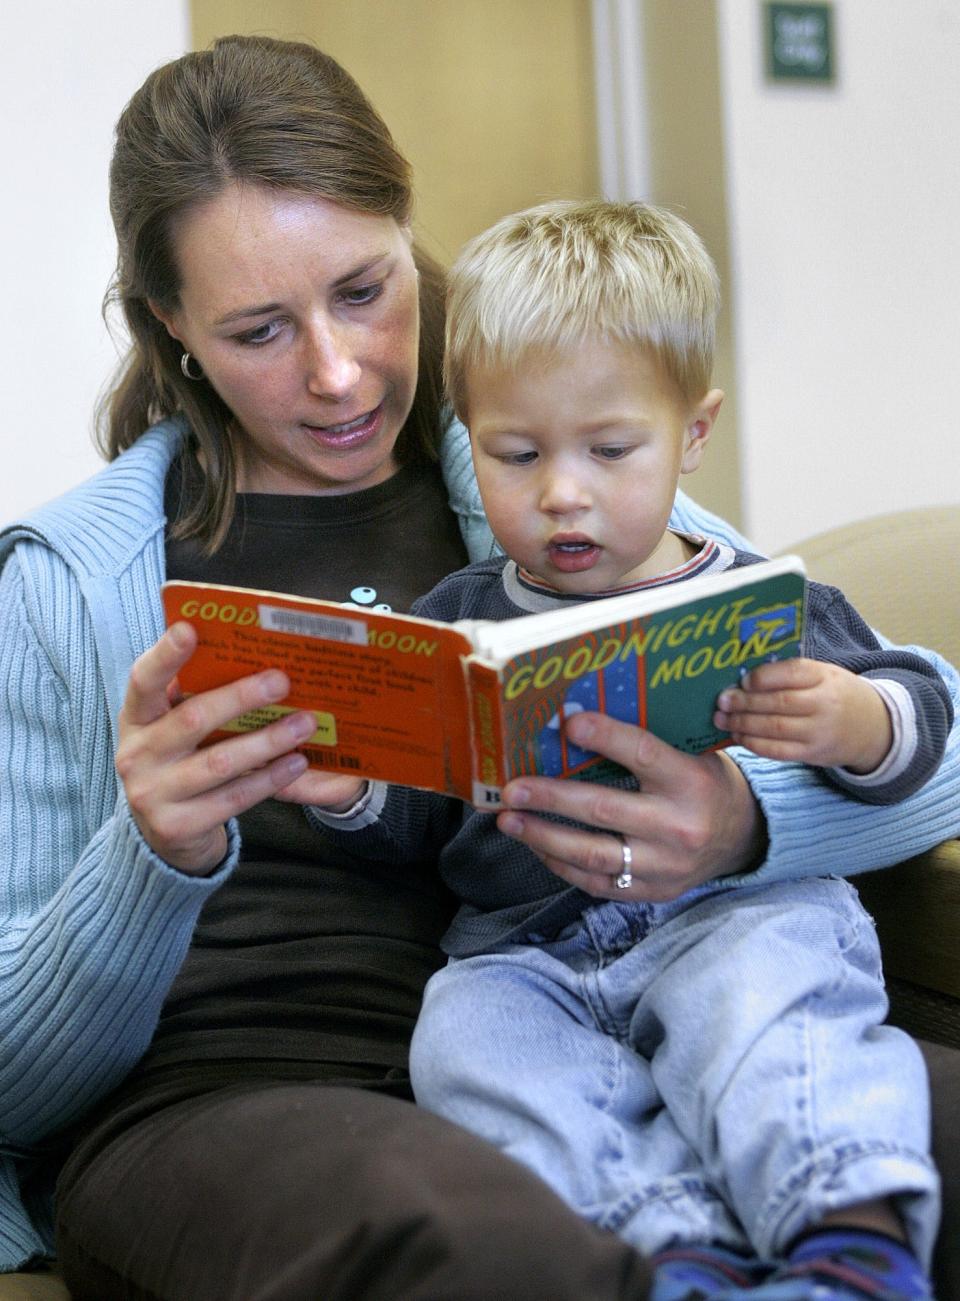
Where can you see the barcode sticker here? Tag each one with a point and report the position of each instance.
(277, 619)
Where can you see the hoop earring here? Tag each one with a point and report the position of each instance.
(185, 361)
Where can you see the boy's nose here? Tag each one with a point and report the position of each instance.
(563, 493)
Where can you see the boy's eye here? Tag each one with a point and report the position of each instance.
(362, 295)
(518, 458)
(612, 451)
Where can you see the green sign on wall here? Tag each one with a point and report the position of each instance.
(799, 42)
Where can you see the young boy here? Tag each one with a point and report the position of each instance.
(709, 1077)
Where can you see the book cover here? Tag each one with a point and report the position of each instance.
(387, 691)
(663, 671)
(463, 708)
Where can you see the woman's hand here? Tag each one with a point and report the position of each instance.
(694, 817)
(181, 796)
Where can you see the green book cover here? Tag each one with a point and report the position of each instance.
(663, 668)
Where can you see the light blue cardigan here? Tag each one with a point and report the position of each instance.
(93, 926)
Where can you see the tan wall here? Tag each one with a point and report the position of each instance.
(491, 100)
(687, 172)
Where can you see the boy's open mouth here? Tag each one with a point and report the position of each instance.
(571, 554)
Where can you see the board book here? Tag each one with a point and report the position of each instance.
(463, 708)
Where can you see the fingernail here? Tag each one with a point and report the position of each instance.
(580, 728)
(723, 701)
(302, 725)
(179, 634)
(510, 824)
(292, 765)
(273, 683)
(519, 795)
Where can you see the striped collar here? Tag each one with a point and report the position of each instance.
(532, 596)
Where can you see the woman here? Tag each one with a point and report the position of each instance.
(185, 961)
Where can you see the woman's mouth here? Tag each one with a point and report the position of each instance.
(349, 433)
(573, 554)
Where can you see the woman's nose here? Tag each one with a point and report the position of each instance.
(332, 370)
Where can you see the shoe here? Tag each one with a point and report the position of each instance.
(695, 1273)
(855, 1265)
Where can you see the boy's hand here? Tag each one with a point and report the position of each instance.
(809, 711)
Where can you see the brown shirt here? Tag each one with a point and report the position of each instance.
(308, 963)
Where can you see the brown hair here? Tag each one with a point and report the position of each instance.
(281, 114)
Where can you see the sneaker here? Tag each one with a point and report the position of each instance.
(694, 1273)
(856, 1265)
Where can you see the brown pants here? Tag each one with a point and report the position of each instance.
(306, 1192)
(310, 1191)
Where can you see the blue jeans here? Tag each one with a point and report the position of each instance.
(712, 1070)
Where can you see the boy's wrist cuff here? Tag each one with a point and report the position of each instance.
(903, 747)
(364, 812)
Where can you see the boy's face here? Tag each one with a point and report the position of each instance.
(578, 455)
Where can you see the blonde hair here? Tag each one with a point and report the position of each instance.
(551, 276)
(281, 114)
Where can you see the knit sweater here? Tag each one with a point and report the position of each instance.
(93, 926)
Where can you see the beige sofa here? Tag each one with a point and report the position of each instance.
(902, 573)
(892, 568)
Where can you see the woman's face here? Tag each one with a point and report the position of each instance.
(304, 316)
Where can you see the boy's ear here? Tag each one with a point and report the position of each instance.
(699, 428)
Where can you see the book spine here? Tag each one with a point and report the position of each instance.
(486, 733)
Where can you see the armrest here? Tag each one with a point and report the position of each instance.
(32, 1287)
(917, 909)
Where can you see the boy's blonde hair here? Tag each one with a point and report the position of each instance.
(551, 276)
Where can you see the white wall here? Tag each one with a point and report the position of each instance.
(68, 70)
(844, 218)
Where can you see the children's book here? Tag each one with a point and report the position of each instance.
(463, 708)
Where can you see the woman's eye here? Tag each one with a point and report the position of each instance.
(363, 295)
(260, 333)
